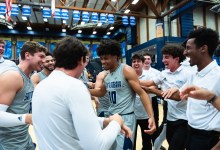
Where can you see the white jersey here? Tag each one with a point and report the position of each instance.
(202, 115)
(139, 110)
(167, 79)
(64, 118)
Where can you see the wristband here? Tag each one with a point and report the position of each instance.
(213, 99)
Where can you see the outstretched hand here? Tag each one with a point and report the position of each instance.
(196, 92)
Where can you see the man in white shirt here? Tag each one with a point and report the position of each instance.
(63, 115)
(139, 111)
(152, 73)
(173, 76)
(203, 117)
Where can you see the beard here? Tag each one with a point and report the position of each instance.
(48, 68)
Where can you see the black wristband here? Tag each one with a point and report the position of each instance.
(213, 99)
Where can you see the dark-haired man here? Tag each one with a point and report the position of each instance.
(173, 76)
(63, 115)
(48, 67)
(122, 84)
(16, 97)
(203, 118)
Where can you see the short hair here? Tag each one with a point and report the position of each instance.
(2, 41)
(138, 56)
(32, 47)
(68, 53)
(109, 47)
(205, 36)
(174, 50)
(148, 54)
(49, 54)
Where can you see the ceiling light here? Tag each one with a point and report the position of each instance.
(108, 33)
(127, 11)
(45, 19)
(29, 28)
(64, 21)
(63, 30)
(111, 28)
(94, 32)
(79, 31)
(134, 2)
(99, 24)
(10, 27)
(24, 18)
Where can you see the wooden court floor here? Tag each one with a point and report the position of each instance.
(139, 140)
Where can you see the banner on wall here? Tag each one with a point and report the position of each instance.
(76, 15)
(15, 10)
(132, 21)
(85, 16)
(46, 12)
(159, 30)
(26, 10)
(103, 18)
(111, 18)
(94, 17)
(2, 8)
(64, 14)
(125, 20)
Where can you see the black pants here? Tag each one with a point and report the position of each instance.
(201, 139)
(146, 138)
(156, 117)
(177, 134)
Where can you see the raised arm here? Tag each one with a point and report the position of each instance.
(131, 77)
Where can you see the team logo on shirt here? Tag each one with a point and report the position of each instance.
(114, 84)
(28, 96)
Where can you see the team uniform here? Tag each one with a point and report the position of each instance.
(176, 113)
(142, 117)
(203, 117)
(84, 76)
(62, 117)
(18, 138)
(104, 103)
(122, 98)
(42, 75)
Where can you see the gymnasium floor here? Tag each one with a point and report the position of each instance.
(139, 141)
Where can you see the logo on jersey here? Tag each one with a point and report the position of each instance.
(114, 84)
(28, 96)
